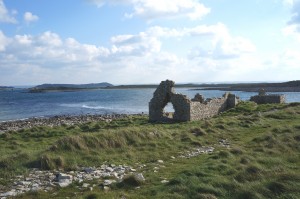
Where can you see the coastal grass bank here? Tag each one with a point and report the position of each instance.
(250, 151)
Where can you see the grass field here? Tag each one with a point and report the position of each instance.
(262, 161)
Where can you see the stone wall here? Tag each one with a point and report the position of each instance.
(182, 107)
(161, 97)
(185, 109)
(208, 108)
(268, 99)
(263, 98)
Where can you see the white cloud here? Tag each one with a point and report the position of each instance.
(139, 58)
(289, 60)
(5, 15)
(29, 17)
(3, 41)
(295, 13)
(289, 2)
(218, 43)
(292, 31)
(153, 9)
(135, 45)
(48, 49)
(292, 28)
(229, 47)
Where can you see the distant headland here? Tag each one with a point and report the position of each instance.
(290, 86)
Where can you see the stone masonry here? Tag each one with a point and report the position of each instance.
(263, 98)
(186, 109)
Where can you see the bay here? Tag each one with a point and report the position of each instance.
(20, 104)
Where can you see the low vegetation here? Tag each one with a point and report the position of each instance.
(262, 160)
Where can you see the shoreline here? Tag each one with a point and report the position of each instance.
(58, 120)
(254, 89)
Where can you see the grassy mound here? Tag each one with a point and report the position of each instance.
(261, 159)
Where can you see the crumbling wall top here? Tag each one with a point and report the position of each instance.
(186, 109)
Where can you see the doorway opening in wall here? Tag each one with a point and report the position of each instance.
(169, 111)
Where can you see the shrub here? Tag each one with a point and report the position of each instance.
(93, 196)
(206, 196)
(132, 181)
(48, 163)
(276, 187)
(236, 151)
(198, 132)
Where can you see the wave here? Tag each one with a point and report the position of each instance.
(96, 107)
(86, 106)
(105, 109)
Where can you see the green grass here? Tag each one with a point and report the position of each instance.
(262, 161)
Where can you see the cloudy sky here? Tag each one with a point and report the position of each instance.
(146, 41)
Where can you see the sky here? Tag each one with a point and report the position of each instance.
(147, 41)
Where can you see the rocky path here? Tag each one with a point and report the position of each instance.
(105, 175)
(56, 121)
(38, 180)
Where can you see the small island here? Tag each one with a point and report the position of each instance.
(68, 87)
(6, 88)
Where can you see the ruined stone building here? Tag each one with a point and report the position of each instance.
(263, 98)
(186, 109)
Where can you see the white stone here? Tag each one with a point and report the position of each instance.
(9, 193)
(64, 183)
(115, 174)
(109, 169)
(160, 161)
(139, 177)
(107, 182)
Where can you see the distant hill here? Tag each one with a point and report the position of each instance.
(6, 87)
(68, 87)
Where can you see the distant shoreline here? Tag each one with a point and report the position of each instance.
(291, 86)
(255, 89)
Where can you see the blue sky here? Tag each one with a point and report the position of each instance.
(146, 41)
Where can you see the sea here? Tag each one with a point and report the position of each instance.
(20, 104)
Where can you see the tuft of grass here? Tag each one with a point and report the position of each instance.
(49, 163)
(236, 151)
(198, 132)
(131, 181)
(205, 196)
(276, 187)
(93, 196)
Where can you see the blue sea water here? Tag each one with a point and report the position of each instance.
(20, 104)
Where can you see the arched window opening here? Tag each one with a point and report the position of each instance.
(169, 110)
